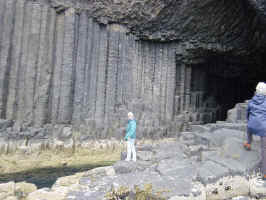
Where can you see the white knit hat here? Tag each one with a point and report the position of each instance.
(130, 114)
(261, 88)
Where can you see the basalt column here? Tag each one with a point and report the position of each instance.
(27, 45)
(60, 66)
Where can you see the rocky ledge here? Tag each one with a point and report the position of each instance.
(206, 163)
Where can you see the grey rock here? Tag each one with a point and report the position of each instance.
(4, 124)
(145, 155)
(123, 155)
(123, 167)
(210, 172)
(169, 150)
(97, 61)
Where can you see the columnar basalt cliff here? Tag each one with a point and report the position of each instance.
(88, 62)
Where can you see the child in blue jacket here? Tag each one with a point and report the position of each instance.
(131, 137)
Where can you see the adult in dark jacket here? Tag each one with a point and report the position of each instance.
(256, 116)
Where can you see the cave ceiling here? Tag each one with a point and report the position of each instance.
(199, 27)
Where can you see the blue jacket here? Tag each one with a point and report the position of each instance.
(131, 129)
(256, 115)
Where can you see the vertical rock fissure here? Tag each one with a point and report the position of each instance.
(74, 61)
(117, 74)
(90, 39)
(96, 68)
(53, 63)
(58, 67)
(106, 76)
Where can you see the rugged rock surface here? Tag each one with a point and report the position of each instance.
(88, 63)
(197, 165)
(204, 164)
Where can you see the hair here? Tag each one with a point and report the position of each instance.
(261, 88)
(130, 114)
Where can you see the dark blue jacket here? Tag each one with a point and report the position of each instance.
(256, 115)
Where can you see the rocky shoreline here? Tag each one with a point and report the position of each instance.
(207, 163)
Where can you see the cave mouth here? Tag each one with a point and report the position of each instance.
(222, 83)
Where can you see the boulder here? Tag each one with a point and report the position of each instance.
(46, 194)
(4, 124)
(12, 198)
(197, 193)
(238, 113)
(124, 167)
(210, 171)
(257, 188)
(68, 180)
(228, 187)
(23, 189)
(7, 189)
(101, 171)
(145, 155)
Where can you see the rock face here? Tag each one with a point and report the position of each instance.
(88, 63)
(207, 163)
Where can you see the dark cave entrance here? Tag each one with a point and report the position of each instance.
(218, 84)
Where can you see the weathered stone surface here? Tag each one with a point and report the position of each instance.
(257, 188)
(74, 61)
(23, 189)
(4, 124)
(46, 194)
(124, 167)
(227, 188)
(210, 172)
(238, 113)
(219, 170)
(7, 189)
(68, 180)
(12, 198)
(145, 155)
(81, 66)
